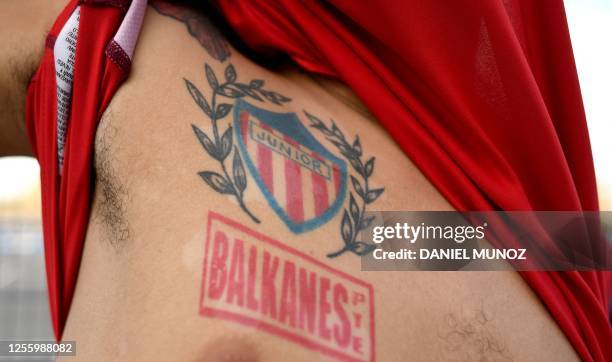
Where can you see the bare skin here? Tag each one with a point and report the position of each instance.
(23, 26)
(138, 290)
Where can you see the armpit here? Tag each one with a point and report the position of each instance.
(110, 196)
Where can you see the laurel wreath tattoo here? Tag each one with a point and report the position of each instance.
(221, 145)
(353, 219)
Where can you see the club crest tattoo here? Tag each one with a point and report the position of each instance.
(304, 183)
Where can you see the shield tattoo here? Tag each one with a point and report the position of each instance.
(302, 181)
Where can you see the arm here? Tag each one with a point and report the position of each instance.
(13, 138)
(23, 26)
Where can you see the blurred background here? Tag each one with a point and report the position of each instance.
(24, 311)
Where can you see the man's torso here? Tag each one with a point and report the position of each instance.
(173, 185)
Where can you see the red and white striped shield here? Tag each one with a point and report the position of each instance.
(303, 182)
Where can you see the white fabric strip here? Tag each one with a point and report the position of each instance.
(64, 51)
(127, 35)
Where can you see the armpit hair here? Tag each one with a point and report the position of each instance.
(110, 196)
